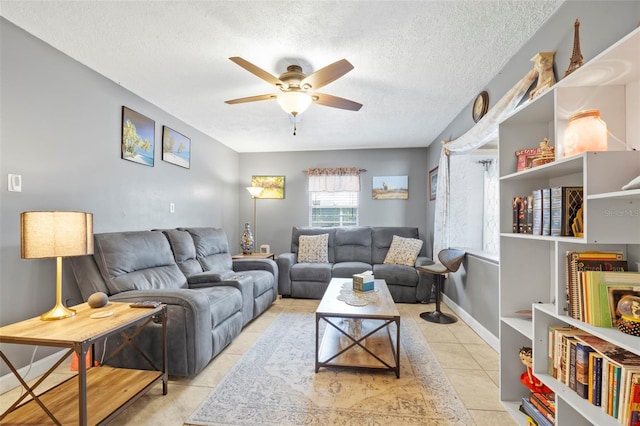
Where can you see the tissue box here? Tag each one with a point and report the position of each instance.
(363, 282)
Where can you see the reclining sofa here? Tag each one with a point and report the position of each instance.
(209, 296)
(352, 250)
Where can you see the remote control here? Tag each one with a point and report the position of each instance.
(145, 304)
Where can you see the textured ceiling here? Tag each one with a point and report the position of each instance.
(418, 64)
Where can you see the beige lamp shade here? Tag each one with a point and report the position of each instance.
(45, 234)
(254, 190)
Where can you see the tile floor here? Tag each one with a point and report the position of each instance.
(470, 364)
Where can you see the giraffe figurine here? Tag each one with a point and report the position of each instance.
(576, 57)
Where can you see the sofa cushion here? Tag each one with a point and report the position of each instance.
(212, 248)
(347, 269)
(225, 301)
(381, 237)
(139, 260)
(313, 248)
(184, 251)
(353, 244)
(403, 251)
(397, 274)
(311, 272)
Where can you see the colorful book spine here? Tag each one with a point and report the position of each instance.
(546, 211)
(615, 397)
(582, 369)
(634, 401)
(565, 202)
(571, 378)
(595, 378)
(537, 212)
(529, 213)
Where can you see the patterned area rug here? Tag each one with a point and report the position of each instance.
(274, 383)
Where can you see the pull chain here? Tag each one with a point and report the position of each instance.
(294, 128)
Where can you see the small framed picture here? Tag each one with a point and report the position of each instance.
(138, 137)
(390, 188)
(433, 183)
(272, 186)
(176, 148)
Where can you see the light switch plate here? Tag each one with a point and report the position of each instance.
(15, 183)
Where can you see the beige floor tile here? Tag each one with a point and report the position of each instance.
(242, 343)
(171, 409)
(454, 355)
(484, 355)
(212, 374)
(494, 375)
(465, 334)
(492, 418)
(475, 388)
(436, 333)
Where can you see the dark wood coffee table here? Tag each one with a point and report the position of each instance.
(358, 336)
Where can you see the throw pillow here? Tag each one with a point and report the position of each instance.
(403, 251)
(313, 248)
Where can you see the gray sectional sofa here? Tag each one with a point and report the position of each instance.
(353, 250)
(210, 297)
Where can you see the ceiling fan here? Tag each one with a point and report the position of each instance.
(298, 89)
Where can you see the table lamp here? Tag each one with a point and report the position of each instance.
(46, 234)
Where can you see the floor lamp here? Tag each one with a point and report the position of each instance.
(254, 191)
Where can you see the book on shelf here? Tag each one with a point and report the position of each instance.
(545, 404)
(565, 202)
(577, 261)
(633, 413)
(570, 378)
(582, 379)
(522, 215)
(602, 292)
(536, 415)
(595, 378)
(529, 213)
(546, 211)
(626, 394)
(537, 212)
(561, 352)
(517, 203)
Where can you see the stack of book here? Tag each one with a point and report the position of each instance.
(547, 211)
(600, 372)
(540, 408)
(583, 261)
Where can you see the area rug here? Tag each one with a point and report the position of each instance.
(275, 383)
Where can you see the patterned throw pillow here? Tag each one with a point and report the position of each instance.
(403, 251)
(313, 248)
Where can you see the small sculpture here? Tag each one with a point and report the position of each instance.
(527, 378)
(576, 57)
(543, 64)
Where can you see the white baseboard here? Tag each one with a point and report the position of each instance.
(9, 381)
(485, 334)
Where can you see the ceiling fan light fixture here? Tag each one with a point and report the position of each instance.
(294, 103)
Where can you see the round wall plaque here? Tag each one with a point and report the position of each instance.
(480, 106)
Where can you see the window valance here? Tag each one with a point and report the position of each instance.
(334, 179)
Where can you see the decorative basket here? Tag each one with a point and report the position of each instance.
(629, 326)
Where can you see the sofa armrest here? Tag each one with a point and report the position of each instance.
(268, 265)
(285, 262)
(205, 279)
(423, 261)
(188, 327)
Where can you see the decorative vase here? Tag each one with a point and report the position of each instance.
(246, 241)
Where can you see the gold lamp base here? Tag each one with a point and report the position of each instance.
(58, 312)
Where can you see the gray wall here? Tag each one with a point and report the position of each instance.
(277, 217)
(602, 23)
(61, 132)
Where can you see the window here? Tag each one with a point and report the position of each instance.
(474, 201)
(333, 208)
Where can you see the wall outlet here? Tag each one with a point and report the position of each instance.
(172, 207)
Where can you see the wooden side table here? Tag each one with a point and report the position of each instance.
(254, 256)
(99, 393)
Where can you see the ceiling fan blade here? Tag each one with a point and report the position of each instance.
(326, 75)
(251, 99)
(256, 71)
(335, 102)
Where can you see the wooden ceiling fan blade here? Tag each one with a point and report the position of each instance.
(257, 71)
(335, 102)
(251, 99)
(326, 75)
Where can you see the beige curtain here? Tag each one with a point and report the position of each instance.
(486, 130)
(334, 179)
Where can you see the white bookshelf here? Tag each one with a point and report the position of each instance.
(532, 267)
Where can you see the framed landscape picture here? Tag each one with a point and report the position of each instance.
(433, 183)
(176, 148)
(273, 186)
(390, 188)
(138, 137)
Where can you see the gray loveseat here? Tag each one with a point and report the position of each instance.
(210, 297)
(352, 250)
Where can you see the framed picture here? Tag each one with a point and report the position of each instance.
(273, 186)
(433, 183)
(138, 137)
(176, 148)
(390, 188)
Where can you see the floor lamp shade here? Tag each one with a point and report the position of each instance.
(47, 234)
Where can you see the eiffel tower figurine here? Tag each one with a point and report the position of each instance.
(576, 57)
